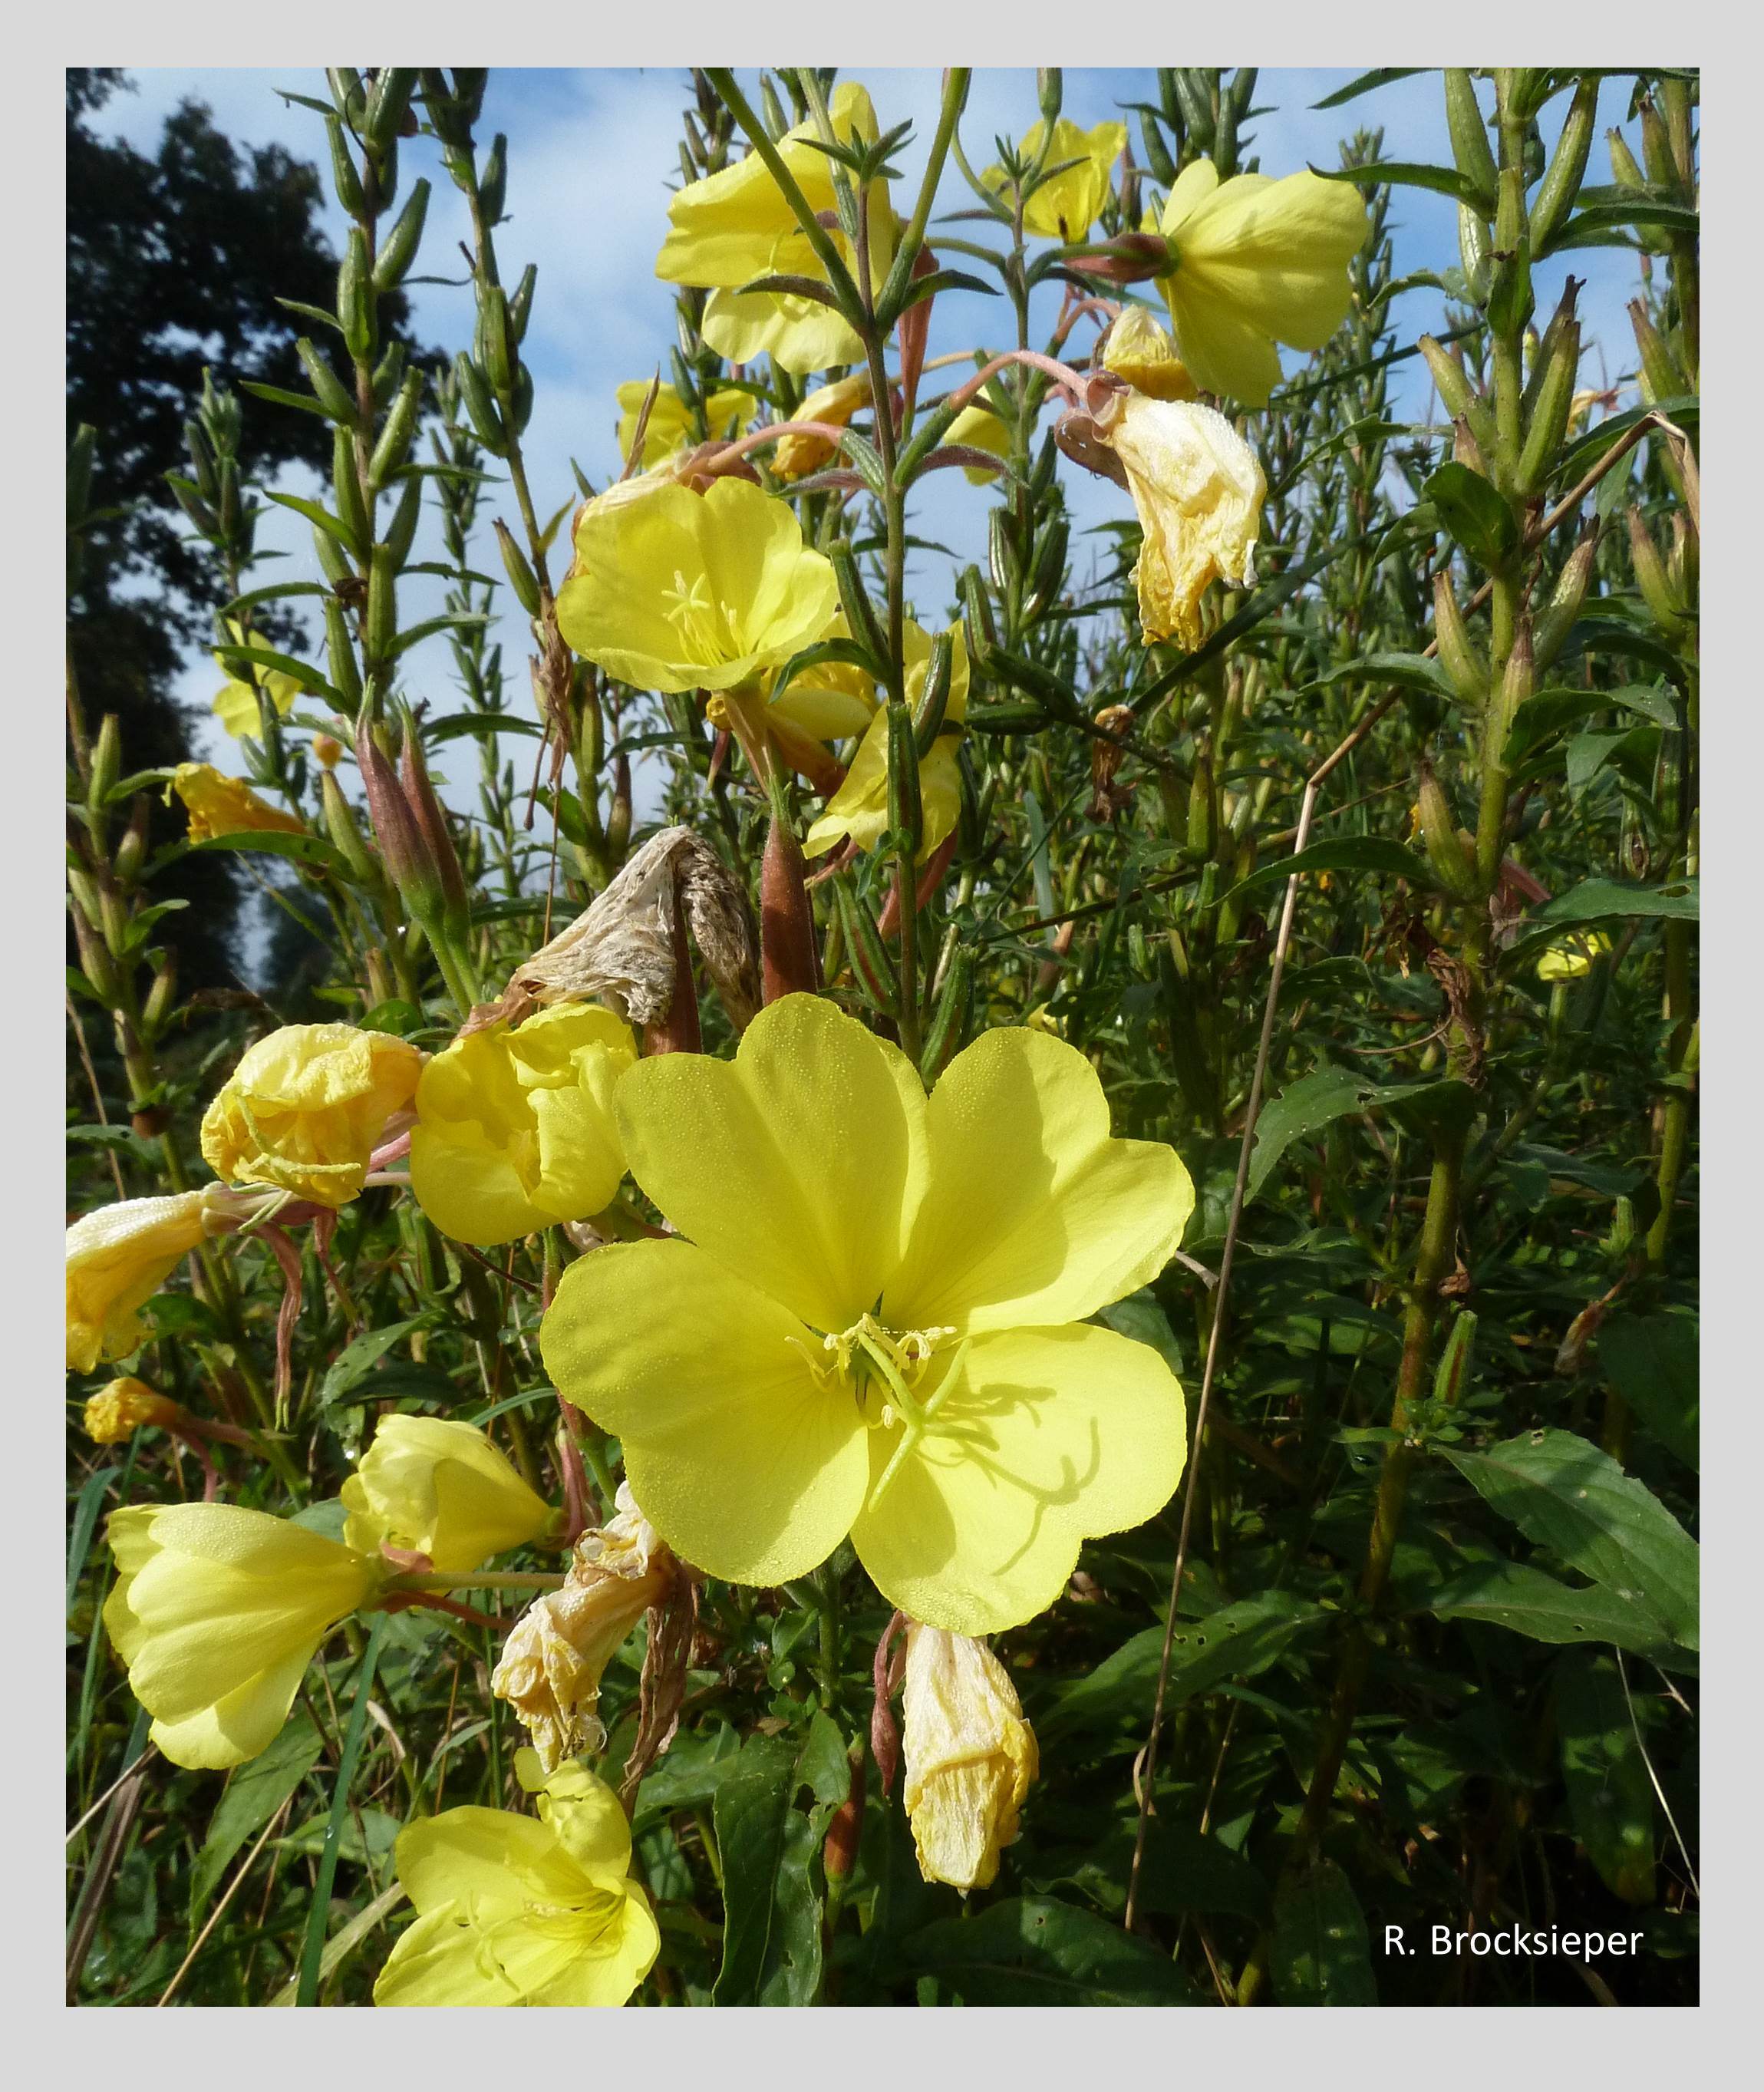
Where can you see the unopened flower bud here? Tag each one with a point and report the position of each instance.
(116, 1412)
(1557, 619)
(426, 810)
(327, 751)
(1459, 655)
(1652, 579)
(1130, 258)
(404, 849)
(1439, 834)
(790, 961)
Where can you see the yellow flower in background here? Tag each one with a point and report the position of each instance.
(553, 1660)
(1139, 350)
(235, 705)
(1198, 489)
(969, 1756)
(117, 1411)
(1257, 262)
(795, 456)
(512, 1912)
(874, 1324)
(670, 427)
(118, 1258)
(681, 591)
(1066, 206)
(217, 1612)
(978, 428)
(306, 1107)
(1571, 958)
(514, 1128)
(735, 226)
(218, 805)
(439, 1488)
(860, 807)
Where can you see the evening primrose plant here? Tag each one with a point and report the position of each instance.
(904, 1316)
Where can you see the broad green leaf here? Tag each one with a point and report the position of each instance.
(1477, 516)
(1181, 1870)
(772, 1926)
(253, 1794)
(1651, 1361)
(1032, 1951)
(1603, 900)
(1409, 671)
(1141, 1317)
(1321, 1955)
(1610, 1795)
(1375, 853)
(1304, 1108)
(1546, 713)
(688, 1775)
(1564, 1493)
(1236, 1641)
(1514, 1595)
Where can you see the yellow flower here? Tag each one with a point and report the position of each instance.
(1257, 261)
(1065, 207)
(860, 807)
(979, 429)
(670, 427)
(514, 1129)
(235, 705)
(1199, 490)
(970, 1756)
(116, 1412)
(552, 1661)
(442, 1489)
(221, 806)
(306, 1107)
(676, 590)
(735, 226)
(118, 1258)
(217, 1612)
(1139, 350)
(796, 456)
(1571, 958)
(512, 1912)
(875, 1323)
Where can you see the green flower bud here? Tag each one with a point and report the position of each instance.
(339, 654)
(394, 440)
(398, 248)
(1445, 853)
(906, 815)
(1652, 579)
(344, 179)
(346, 485)
(354, 298)
(1561, 184)
(1459, 655)
(381, 627)
(1558, 619)
(521, 577)
(1470, 137)
(927, 723)
(1623, 171)
(403, 528)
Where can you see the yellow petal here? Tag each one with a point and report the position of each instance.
(669, 427)
(1279, 251)
(1064, 206)
(441, 1488)
(799, 333)
(1224, 352)
(118, 1258)
(490, 1859)
(1032, 1213)
(221, 806)
(1047, 1437)
(588, 1820)
(748, 1467)
(440, 1961)
(1191, 187)
(614, 1951)
(795, 1165)
(969, 1756)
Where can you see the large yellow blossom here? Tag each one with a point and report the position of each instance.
(514, 1128)
(875, 1324)
(551, 1664)
(306, 1107)
(442, 1489)
(235, 705)
(1199, 490)
(670, 428)
(218, 805)
(512, 1912)
(118, 1258)
(970, 1756)
(735, 226)
(1065, 207)
(675, 590)
(860, 807)
(1138, 352)
(1257, 262)
(217, 1612)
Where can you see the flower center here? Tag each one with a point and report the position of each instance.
(702, 623)
(884, 1370)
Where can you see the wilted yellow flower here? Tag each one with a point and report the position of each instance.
(969, 1756)
(735, 227)
(1571, 958)
(873, 1323)
(796, 456)
(552, 1661)
(235, 707)
(1257, 262)
(1066, 206)
(1199, 490)
(860, 807)
(305, 1109)
(439, 1488)
(116, 1412)
(512, 1912)
(118, 1258)
(217, 1612)
(221, 806)
(675, 590)
(1140, 351)
(670, 427)
(514, 1128)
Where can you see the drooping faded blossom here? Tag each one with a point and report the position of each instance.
(970, 1756)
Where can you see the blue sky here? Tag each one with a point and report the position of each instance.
(591, 154)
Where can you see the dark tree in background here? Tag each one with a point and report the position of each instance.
(175, 263)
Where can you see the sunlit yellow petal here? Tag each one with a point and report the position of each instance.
(439, 1488)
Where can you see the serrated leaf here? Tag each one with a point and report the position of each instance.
(772, 1926)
